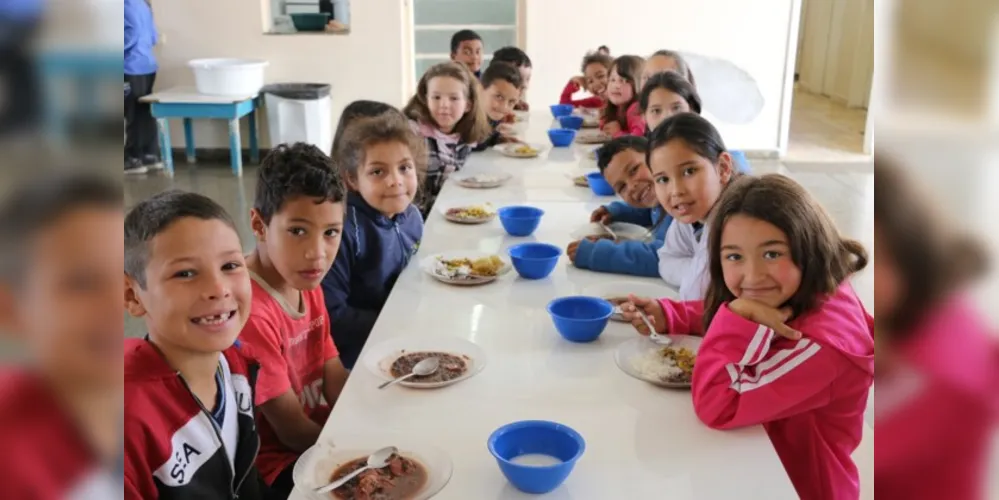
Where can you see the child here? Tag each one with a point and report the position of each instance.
(667, 94)
(297, 218)
(690, 168)
(446, 112)
(61, 413)
(929, 331)
(354, 110)
(596, 67)
(380, 159)
(666, 60)
(622, 161)
(788, 343)
(621, 115)
(466, 49)
(501, 85)
(188, 389)
(518, 59)
(141, 140)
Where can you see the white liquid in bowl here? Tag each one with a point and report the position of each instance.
(536, 460)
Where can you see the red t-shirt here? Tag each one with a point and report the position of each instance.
(291, 346)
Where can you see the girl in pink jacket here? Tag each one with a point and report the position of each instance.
(788, 344)
(621, 115)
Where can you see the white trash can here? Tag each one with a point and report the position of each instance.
(299, 112)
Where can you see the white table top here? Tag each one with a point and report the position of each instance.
(642, 441)
(190, 95)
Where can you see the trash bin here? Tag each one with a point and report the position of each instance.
(299, 112)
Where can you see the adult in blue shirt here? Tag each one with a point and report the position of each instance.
(19, 22)
(141, 139)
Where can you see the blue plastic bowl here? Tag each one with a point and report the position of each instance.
(561, 137)
(310, 21)
(519, 220)
(571, 122)
(534, 261)
(599, 185)
(536, 437)
(580, 319)
(559, 110)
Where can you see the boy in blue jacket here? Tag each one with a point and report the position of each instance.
(141, 142)
(622, 162)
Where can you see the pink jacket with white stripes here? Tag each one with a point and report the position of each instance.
(809, 394)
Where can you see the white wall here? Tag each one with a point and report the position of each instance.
(367, 63)
(755, 38)
(837, 58)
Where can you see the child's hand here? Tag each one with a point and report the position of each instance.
(612, 128)
(652, 309)
(601, 215)
(507, 133)
(571, 250)
(579, 81)
(757, 312)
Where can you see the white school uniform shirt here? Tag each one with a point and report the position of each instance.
(683, 260)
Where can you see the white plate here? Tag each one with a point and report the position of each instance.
(444, 207)
(316, 466)
(380, 357)
(621, 289)
(592, 137)
(482, 181)
(428, 264)
(628, 352)
(509, 149)
(625, 231)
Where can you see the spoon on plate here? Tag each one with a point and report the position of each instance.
(422, 369)
(654, 336)
(608, 230)
(377, 460)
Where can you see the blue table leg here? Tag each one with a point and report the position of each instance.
(235, 148)
(254, 147)
(189, 139)
(164, 128)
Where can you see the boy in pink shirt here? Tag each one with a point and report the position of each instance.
(297, 219)
(788, 344)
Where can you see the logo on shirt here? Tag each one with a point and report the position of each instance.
(312, 395)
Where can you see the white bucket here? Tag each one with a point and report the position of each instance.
(235, 77)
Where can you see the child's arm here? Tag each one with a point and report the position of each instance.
(623, 212)
(675, 256)
(741, 381)
(138, 474)
(350, 325)
(274, 395)
(636, 124)
(683, 317)
(570, 88)
(626, 257)
(334, 374)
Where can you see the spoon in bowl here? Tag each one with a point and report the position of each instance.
(377, 460)
(422, 369)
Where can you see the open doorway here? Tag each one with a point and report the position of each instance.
(833, 80)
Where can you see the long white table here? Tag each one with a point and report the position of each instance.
(642, 441)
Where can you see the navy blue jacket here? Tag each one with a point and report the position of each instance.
(373, 251)
(626, 257)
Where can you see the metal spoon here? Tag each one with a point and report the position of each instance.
(653, 335)
(608, 230)
(423, 368)
(377, 460)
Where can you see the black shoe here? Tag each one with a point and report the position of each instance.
(152, 162)
(134, 166)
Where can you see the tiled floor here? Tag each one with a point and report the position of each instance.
(823, 130)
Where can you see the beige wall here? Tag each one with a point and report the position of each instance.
(367, 63)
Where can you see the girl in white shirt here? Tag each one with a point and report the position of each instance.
(690, 167)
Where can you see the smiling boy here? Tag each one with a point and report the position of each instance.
(501, 85)
(466, 48)
(622, 162)
(189, 429)
(297, 218)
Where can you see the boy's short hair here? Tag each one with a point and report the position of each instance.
(153, 216)
(596, 58)
(37, 204)
(608, 151)
(463, 36)
(505, 72)
(512, 55)
(291, 171)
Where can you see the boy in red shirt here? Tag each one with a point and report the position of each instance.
(297, 218)
(60, 414)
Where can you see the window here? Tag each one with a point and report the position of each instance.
(434, 21)
(309, 16)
